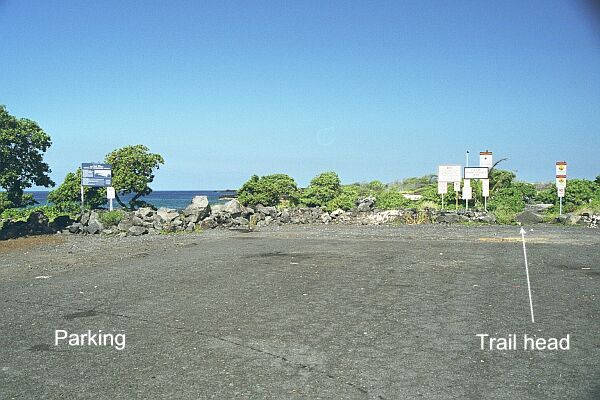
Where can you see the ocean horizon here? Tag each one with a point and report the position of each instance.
(178, 199)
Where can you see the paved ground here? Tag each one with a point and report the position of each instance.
(302, 313)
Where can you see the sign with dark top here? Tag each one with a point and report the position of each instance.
(96, 174)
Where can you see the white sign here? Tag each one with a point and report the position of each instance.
(449, 173)
(561, 182)
(110, 193)
(442, 187)
(457, 187)
(485, 159)
(467, 193)
(485, 187)
(476, 172)
(561, 192)
(561, 168)
(467, 183)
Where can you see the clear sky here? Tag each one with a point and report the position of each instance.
(371, 89)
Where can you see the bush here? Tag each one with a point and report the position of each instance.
(579, 193)
(512, 198)
(505, 216)
(346, 200)
(392, 199)
(268, 190)
(111, 218)
(22, 214)
(323, 188)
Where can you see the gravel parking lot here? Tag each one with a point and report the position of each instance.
(307, 312)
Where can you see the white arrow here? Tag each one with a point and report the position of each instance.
(527, 272)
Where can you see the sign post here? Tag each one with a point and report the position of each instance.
(485, 160)
(485, 191)
(95, 175)
(475, 173)
(446, 174)
(561, 182)
(467, 193)
(110, 195)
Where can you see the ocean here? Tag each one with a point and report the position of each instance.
(178, 199)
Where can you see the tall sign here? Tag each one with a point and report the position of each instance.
(448, 174)
(485, 161)
(561, 181)
(95, 175)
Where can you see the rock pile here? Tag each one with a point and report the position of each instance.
(233, 215)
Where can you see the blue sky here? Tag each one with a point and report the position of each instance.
(372, 90)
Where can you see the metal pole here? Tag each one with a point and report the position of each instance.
(442, 201)
(560, 212)
(485, 204)
(82, 198)
(110, 206)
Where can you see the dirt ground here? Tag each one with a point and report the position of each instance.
(302, 312)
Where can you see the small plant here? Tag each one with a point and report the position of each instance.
(505, 216)
(111, 218)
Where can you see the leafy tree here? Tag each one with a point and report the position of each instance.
(22, 147)
(500, 178)
(67, 196)
(132, 170)
(322, 189)
(268, 190)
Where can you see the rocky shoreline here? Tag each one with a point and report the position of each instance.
(199, 215)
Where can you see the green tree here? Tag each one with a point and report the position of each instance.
(22, 147)
(67, 196)
(132, 170)
(322, 189)
(268, 190)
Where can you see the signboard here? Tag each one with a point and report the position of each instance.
(561, 181)
(95, 174)
(457, 187)
(485, 187)
(449, 173)
(467, 193)
(467, 183)
(485, 159)
(110, 193)
(561, 168)
(561, 192)
(476, 172)
(442, 187)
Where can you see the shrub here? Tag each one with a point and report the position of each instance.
(111, 218)
(323, 188)
(346, 200)
(579, 193)
(505, 215)
(513, 197)
(268, 190)
(22, 214)
(392, 199)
